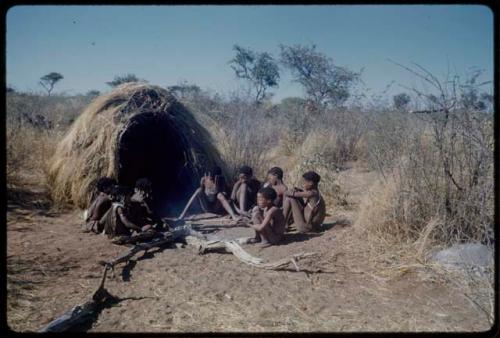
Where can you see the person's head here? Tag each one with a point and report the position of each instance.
(105, 184)
(274, 175)
(310, 180)
(245, 173)
(119, 193)
(215, 171)
(266, 197)
(144, 185)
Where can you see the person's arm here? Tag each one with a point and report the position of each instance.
(126, 222)
(267, 219)
(188, 205)
(236, 186)
(148, 210)
(91, 209)
(220, 183)
(305, 194)
(295, 192)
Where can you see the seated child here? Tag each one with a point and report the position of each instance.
(140, 211)
(116, 221)
(275, 181)
(211, 195)
(267, 219)
(244, 192)
(99, 206)
(306, 206)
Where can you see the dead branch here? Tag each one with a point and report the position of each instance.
(82, 312)
(234, 247)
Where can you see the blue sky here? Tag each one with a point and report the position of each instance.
(89, 45)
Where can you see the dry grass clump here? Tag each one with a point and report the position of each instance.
(440, 177)
(27, 149)
(317, 153)
(34, 125)
(245, 136)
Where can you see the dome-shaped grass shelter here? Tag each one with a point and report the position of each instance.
(137, 130)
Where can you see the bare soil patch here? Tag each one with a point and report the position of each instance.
(52, 266)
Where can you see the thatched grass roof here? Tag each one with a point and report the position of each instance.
(90, 148)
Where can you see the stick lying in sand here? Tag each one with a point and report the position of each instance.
(233, 246)
(82, 312)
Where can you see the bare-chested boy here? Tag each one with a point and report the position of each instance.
(99, 206)
(116, 221)
(211, 195)
(267, 219)
(275, 181)
(244, 194)
(306, 206)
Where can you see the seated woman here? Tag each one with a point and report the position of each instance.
(306, 206)
(211, 196)
(116, 221)
(99, 206)
(140, 211)
(267, 219)
(275, 181)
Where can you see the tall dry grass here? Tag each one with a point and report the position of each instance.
(439, 174)
(27, 150)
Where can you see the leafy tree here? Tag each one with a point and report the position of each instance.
(259, 69)
(323, 82)
(49, 81)
(121, 79)
(9, 89)
(470, 98)
(401, 101)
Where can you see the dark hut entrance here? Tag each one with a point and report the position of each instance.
(151, 146)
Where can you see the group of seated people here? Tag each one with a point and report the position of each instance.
(270, 209)
(118, 211)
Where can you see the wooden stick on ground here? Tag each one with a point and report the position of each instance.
(82, 312)
(85, 311)
(234, 247)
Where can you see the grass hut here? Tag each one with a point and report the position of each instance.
(137, 130)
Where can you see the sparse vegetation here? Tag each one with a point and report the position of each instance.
(121, 79)
(434, 163)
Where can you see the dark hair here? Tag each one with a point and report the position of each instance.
(276, 171)
(143, 184)
(216, 171)
(244, 169)
(268, 193)
(120, 191)
(105, 184)
(312, 176)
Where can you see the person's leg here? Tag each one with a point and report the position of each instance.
(190, 202)
(317, 218)
(268, 236)
(225, 204)
(298, 215)
(243, 198)
(257, 218)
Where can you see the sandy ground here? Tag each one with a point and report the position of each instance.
(52, 266)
